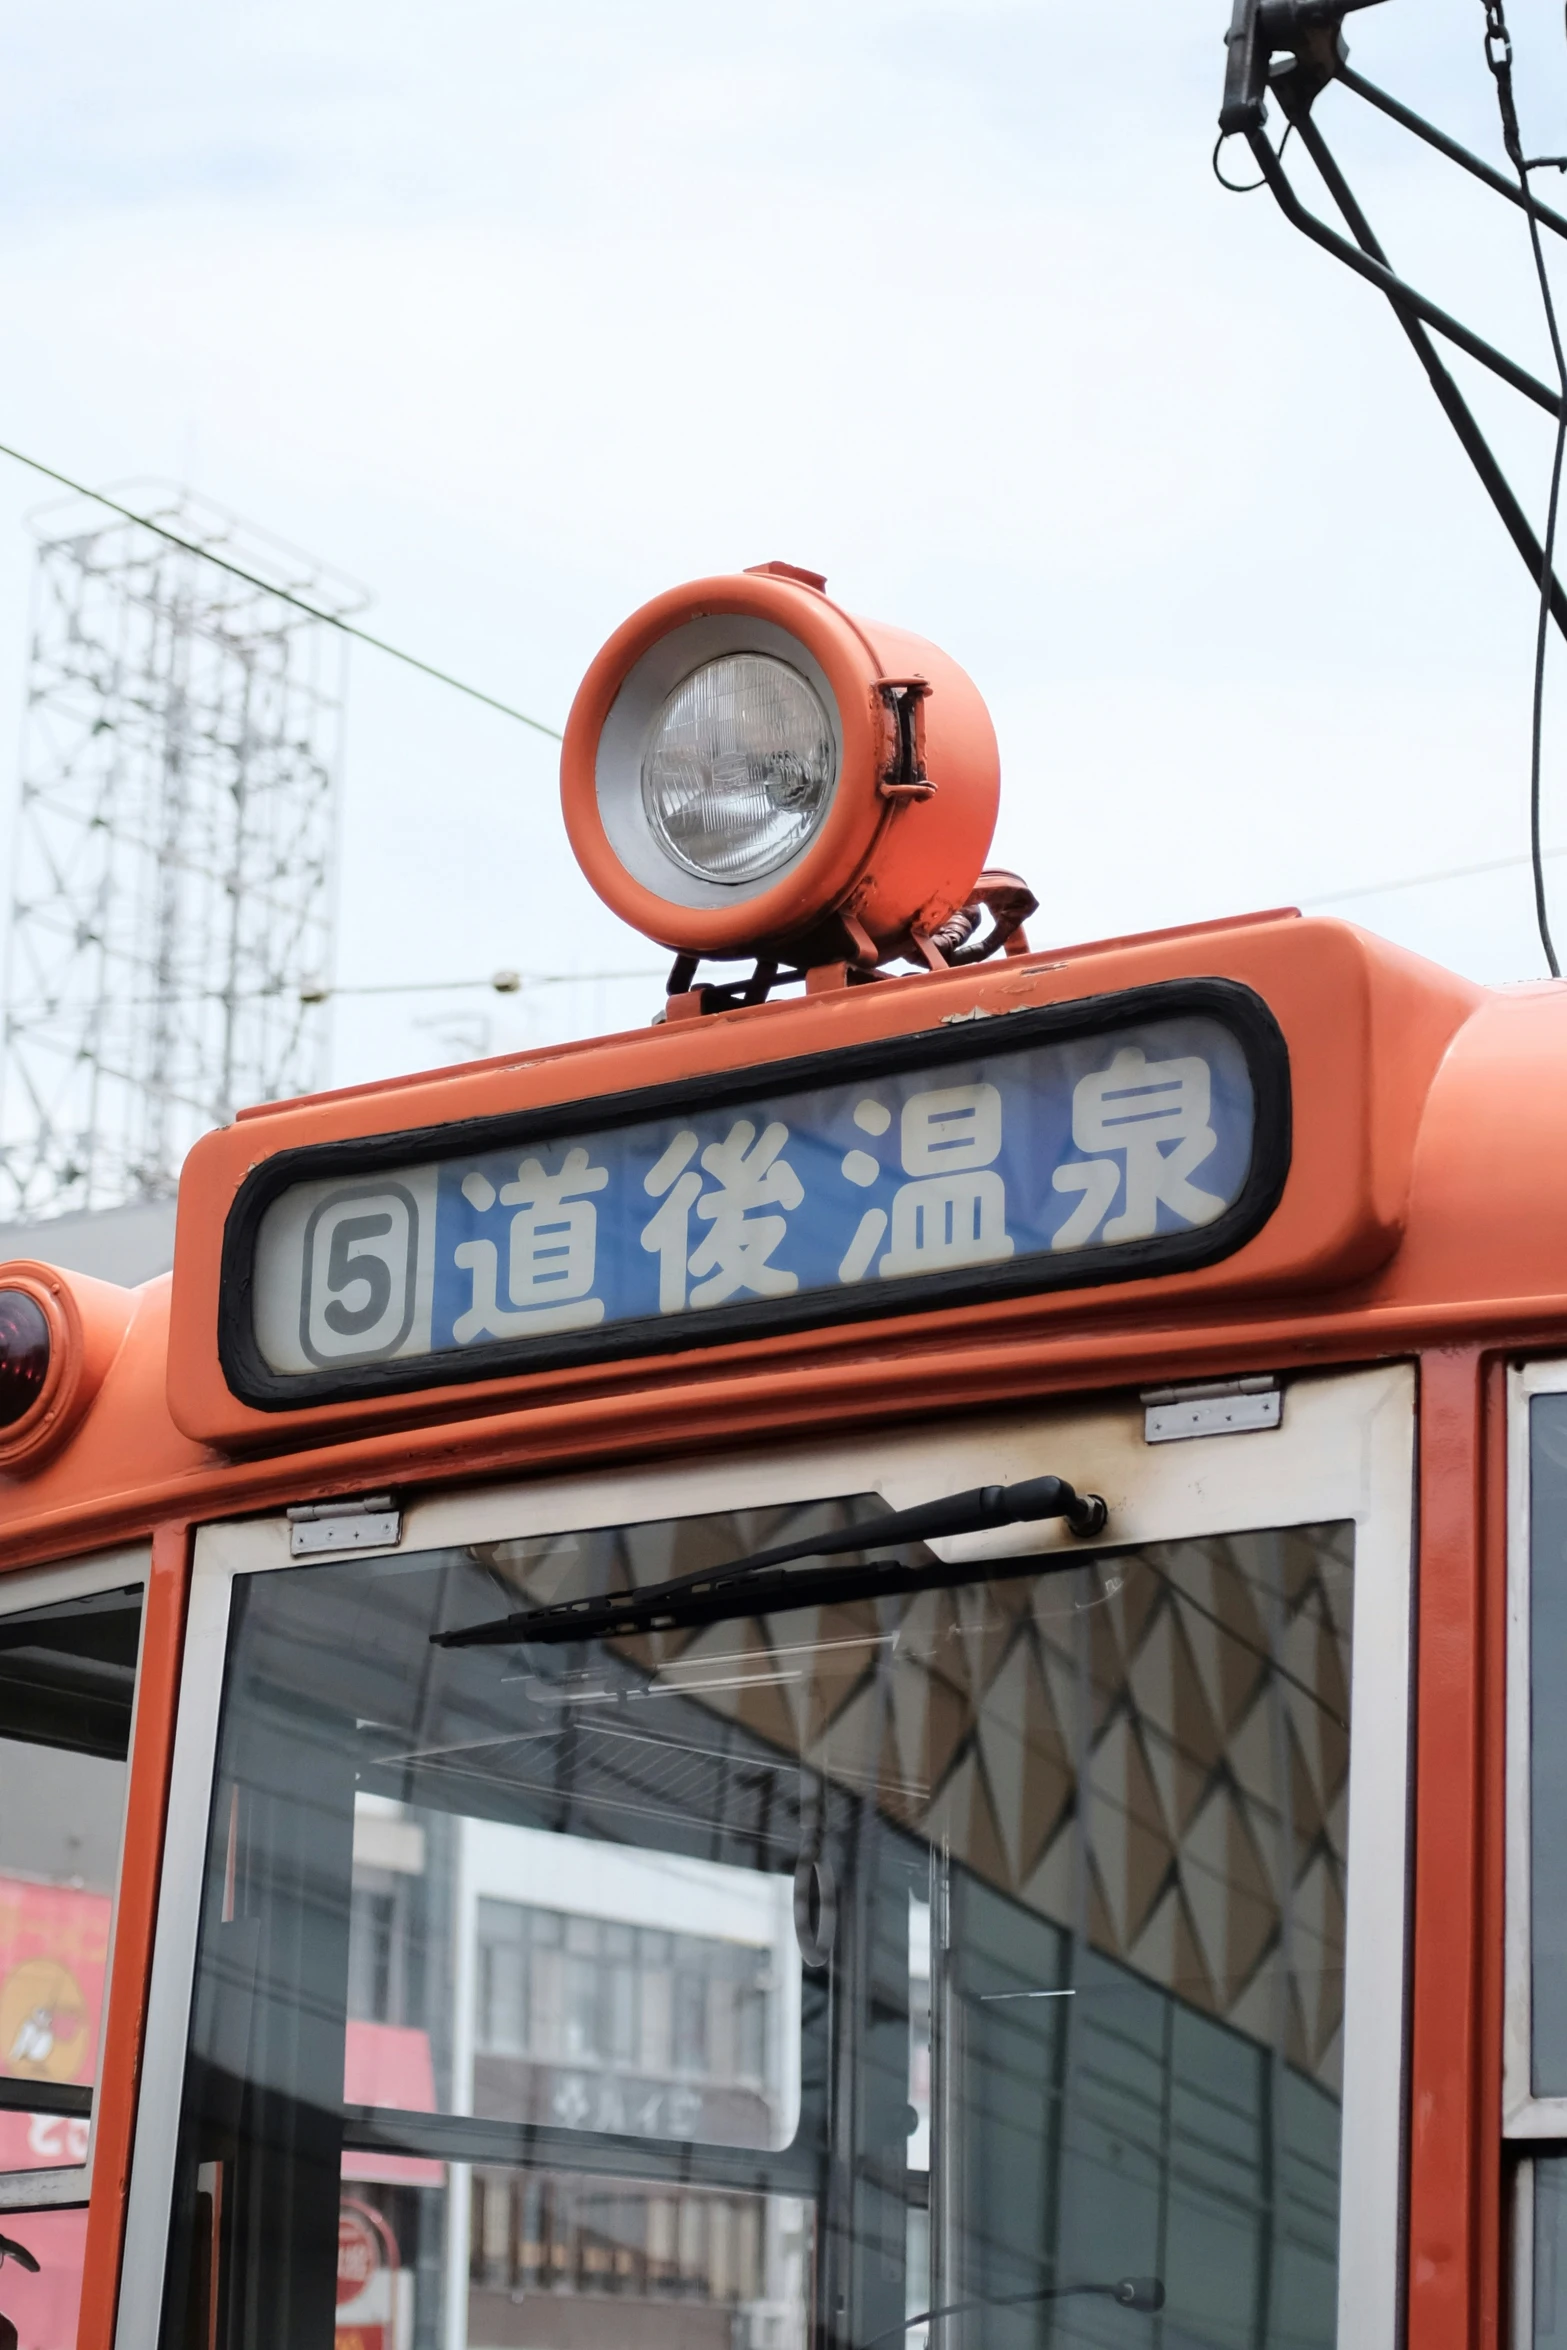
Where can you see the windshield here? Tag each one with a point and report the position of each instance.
(960, 1969)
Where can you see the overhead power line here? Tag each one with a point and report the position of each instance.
(503, 983)
(1499, 57)
(515, 982)
(1383, 889)
(284, 595)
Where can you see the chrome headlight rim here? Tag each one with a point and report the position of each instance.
(643, 693)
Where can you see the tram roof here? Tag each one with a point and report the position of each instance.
(1422, 1203)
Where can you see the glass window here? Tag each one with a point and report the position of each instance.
(959, 1968)
(43, 2303)
(1548, 1758)
(67, 1683)
(1550, 2253)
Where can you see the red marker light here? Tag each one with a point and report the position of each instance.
(24, 1354)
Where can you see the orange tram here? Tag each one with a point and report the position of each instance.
(869, 1670)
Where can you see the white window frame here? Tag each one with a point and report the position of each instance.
(1344, 1450)
(68, 2185)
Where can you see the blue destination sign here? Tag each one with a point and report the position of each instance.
(1029, 1151)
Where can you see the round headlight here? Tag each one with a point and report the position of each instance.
(739, 768)
(749, 770)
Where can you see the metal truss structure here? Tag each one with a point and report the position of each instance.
(172, 872)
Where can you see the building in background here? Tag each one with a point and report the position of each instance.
(129, 1244)
(171, 893)
(649, 1998)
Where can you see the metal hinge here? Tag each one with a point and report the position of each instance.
(315, 1527)
(1211, 1407)
(904, 776)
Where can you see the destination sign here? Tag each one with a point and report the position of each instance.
(1031, 1151)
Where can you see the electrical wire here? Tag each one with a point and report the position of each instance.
(502, 982)
(1382, 889)
(1542, 628)
(1499, 57)
(313, 993)
(1245, 187)
(284, 595)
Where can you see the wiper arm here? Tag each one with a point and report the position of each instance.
(1144, 2293)
(686, 1598)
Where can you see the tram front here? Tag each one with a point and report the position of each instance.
(794, 1710)
(954, 1940)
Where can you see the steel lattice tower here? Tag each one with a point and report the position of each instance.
(171, 893)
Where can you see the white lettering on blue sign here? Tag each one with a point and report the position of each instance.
(551, 1246)
(953, 1209)
(733, 1258)
(1131, 1110)
(1037, 1151)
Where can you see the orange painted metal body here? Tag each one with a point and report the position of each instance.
(1424, 1217)
(136, 1918)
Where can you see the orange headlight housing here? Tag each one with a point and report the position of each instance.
(903, 772)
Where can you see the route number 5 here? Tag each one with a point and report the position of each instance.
(361, 1257)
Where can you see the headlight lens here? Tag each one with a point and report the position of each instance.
(24, 1354)
(739, 768)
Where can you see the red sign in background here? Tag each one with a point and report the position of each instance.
(54, 1947)
(360, 2252)
(367, 2265)
(390, 2064)
(44, 2308)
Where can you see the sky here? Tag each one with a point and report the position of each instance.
(521, 313)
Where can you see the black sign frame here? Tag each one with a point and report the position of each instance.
(1237, 1008)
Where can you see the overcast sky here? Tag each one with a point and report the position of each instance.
(520, 313)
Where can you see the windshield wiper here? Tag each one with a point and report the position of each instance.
(1144, 2293)
(692, 1598)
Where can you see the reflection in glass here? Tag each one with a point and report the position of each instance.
(67, 1681)
(960, 1969)
(44, 2304)
(1548, 1740)
(67, 1678)
(1550, 2252)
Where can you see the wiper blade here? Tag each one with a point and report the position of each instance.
(1144, 2293)
(767, 1592)
(691, 1598)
